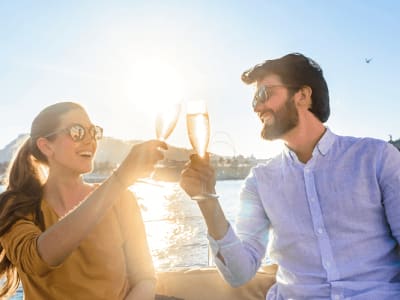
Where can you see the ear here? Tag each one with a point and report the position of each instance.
(44, 146)
(304, 97)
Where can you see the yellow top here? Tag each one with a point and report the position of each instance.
(108, 262)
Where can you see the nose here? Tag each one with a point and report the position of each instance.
(88, 139)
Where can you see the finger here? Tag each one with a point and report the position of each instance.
(202, 168)
(197, 159)
(190, 185)
(190, 173)
(163, 145)
(198, 165)
(194, 157)
(159, 144)
(159, 156)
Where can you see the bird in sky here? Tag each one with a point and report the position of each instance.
(368, 60)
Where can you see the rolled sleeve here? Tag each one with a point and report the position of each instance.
(226, 248)
(242, 252)
(20, 244)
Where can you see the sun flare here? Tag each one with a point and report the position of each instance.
(155, 84)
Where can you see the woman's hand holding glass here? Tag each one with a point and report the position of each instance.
(147, 154)
(140, 161)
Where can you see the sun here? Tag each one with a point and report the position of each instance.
(155, 84)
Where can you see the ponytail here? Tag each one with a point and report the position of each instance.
(20, 200)
(22, 197)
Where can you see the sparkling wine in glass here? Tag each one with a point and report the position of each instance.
(166, 121)
(198, 128)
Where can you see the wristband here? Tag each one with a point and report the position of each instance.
(206, 196)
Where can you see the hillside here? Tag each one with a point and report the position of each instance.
(7, 152)
(112, 151)
(109, 150)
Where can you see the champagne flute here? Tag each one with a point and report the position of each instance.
(166, 120)
(165, 123)
(198, 127)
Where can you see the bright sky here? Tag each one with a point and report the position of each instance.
(123, 59)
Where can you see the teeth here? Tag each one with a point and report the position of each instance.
(86, 153)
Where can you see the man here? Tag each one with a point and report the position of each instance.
(328, 206)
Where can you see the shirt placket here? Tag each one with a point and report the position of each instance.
(324, 244)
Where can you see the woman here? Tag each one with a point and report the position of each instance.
(67, 239)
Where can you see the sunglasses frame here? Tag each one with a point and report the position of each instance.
(262, 93)
(96, 132)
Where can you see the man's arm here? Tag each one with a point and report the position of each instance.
(238, 258)
(389, 181)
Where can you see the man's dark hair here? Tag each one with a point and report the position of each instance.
(295, 69)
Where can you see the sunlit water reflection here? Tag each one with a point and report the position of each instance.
(175, 228)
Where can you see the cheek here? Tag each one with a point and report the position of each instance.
(64, 148)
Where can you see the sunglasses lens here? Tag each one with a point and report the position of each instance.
(259, 96)
(98, 132)
(77, 133)
(254, 102)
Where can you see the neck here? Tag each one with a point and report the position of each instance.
(63, 192)
(303, 138)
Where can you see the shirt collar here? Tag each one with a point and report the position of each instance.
(325, 142)
(323, 145)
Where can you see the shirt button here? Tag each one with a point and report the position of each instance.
(312, 199)
(328, 264)
(336, 297)
(320, 231)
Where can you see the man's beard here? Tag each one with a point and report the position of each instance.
(283, 120)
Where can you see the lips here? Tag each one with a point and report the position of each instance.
(86, 154)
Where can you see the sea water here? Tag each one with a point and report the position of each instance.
(175, 229)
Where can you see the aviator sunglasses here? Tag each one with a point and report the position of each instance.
(263, 93)
(78, 132)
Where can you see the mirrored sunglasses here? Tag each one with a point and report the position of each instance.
(78, 132)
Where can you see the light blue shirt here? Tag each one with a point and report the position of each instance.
(332, 224)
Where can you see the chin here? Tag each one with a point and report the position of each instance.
(269, 135)
(86, 169)
(89, 170)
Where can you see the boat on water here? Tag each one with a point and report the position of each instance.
(207, 284)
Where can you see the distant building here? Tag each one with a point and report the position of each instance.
(395, 143)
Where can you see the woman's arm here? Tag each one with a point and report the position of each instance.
(58, 241)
